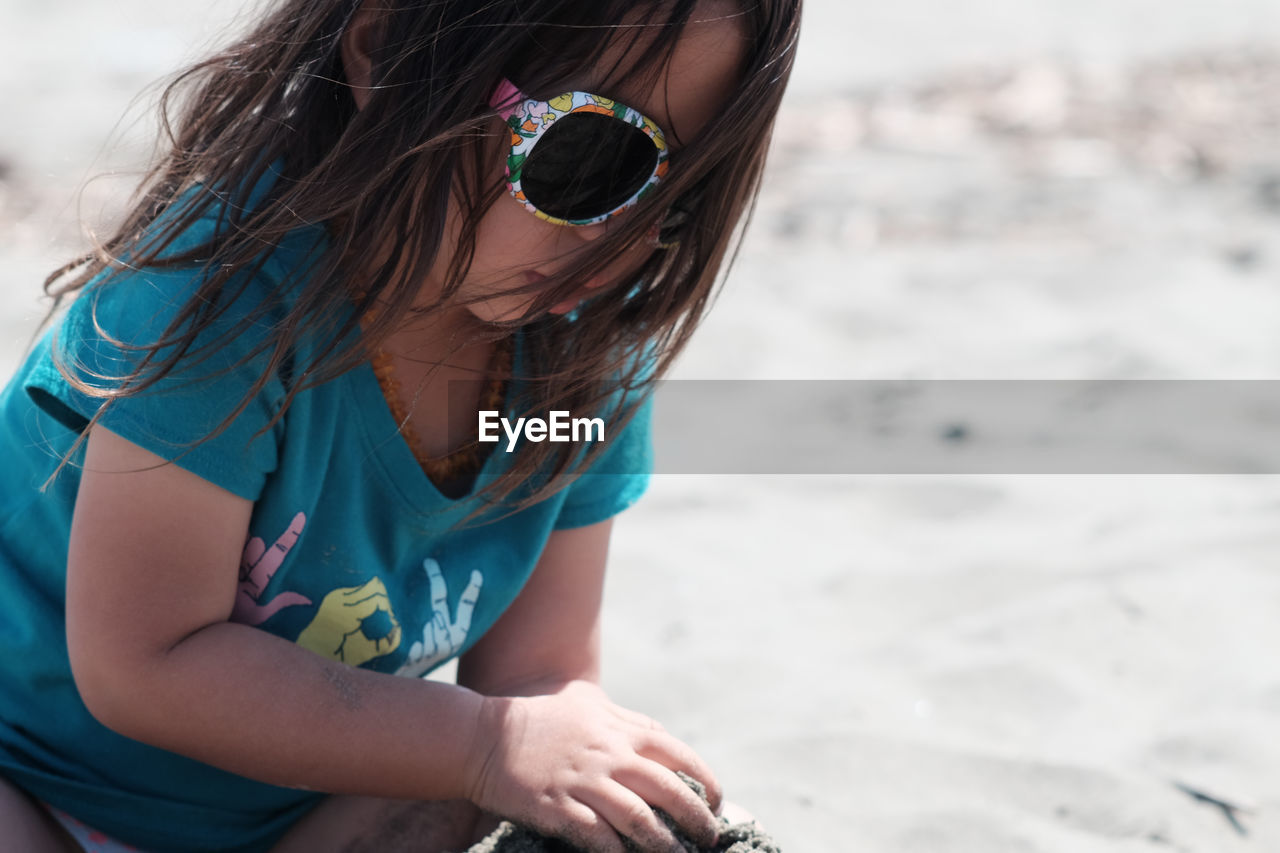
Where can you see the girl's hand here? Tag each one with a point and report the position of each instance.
(576, 766)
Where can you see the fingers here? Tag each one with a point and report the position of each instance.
(263, 562)
(663, 789)
(660, 747)
(587, 830)
(290, 536)
(598, 774)
(271, 560)
(365, 600)
(439, 592)
(253, 551)
(629, 815)
(466, 605)
(672, 754)
(445, 634)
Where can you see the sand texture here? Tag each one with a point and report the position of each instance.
(509, 838)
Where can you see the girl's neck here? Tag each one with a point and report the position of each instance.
(435, 382)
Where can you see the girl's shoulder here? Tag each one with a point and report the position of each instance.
(189, 296)
(177, 356)
(192, 233)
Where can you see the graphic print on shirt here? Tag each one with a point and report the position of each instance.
(354, 624)
(258, 564)
(443, 636)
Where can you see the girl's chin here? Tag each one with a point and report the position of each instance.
(509, 311)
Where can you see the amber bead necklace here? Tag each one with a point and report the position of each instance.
(453, 472)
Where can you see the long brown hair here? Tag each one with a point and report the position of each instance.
(277, 99)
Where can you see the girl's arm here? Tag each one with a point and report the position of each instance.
(550, 635)
(548, 642)
(151, 578)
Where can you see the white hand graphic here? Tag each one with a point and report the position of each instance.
(442, 637)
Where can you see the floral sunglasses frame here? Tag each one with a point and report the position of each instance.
(528, 119)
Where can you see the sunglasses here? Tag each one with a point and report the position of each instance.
(579, 158)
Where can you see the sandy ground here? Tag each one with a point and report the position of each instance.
(1032, 190)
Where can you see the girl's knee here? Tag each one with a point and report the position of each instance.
(350, 824)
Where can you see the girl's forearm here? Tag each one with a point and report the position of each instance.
(255, 704)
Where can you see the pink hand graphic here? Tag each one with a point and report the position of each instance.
(257, 566)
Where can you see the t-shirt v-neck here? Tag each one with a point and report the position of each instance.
(402, 464)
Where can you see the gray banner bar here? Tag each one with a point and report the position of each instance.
(967, 427)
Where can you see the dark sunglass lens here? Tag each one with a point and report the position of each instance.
(586, 165)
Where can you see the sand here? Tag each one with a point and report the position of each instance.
(917, 664)
(510, 838)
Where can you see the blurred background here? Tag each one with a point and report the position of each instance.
(1001, 190)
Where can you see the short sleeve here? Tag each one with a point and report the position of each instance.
(620, 475)
(175, 418)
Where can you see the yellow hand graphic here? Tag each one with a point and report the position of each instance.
(354, 624)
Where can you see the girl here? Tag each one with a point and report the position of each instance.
(370, 223)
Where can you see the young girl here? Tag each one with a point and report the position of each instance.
(242, 490)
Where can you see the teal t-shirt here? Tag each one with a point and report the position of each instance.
(350, 552)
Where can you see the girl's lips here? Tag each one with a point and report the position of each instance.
(566, 306)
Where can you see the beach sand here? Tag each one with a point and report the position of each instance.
(916, 664)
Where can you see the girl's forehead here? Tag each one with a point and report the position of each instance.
(703, 73)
